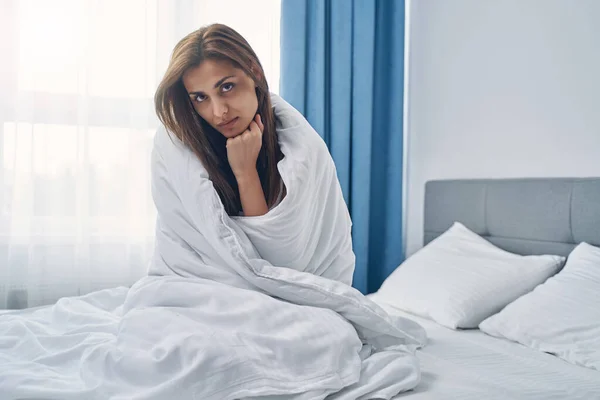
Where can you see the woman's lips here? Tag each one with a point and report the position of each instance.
(229, 124)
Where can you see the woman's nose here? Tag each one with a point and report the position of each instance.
(219, 108)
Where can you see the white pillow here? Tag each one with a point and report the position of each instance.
(459, 279)
(560, 317)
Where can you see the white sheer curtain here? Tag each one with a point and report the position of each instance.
(76, 126)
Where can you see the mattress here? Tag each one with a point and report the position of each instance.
(468, 364)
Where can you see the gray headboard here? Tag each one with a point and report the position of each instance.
(523, 216)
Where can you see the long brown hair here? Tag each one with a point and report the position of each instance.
(176, 112)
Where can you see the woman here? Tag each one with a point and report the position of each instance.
(269, 304)
(215, 98)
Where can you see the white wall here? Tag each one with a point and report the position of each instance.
(496, 88)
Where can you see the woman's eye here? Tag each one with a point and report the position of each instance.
(227, 87)
(199, 98)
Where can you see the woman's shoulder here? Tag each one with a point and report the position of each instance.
(164, 139)
(295, 133)
(171, 151)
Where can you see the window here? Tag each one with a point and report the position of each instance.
(77, 121)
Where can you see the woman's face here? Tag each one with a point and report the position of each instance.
(224, 96)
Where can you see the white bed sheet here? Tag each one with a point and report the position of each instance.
(469, 364)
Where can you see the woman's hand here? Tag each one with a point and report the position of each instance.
(242, 150)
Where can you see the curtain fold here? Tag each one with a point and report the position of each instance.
(342, 66)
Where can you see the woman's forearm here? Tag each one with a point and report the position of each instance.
(252, 195)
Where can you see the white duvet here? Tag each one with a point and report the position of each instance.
(218, 317)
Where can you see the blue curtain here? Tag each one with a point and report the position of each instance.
(342, 66)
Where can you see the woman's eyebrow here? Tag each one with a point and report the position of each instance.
(219, 82)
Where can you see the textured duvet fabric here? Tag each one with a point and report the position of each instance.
(218, 317)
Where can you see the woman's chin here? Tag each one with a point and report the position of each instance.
(230, 134)
(236, 128)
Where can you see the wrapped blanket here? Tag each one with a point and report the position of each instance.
(233, 307)
(299, 252)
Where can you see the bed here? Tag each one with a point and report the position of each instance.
(115, 341)
(523, 216)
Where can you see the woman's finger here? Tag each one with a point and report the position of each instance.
(254, 127)
(258, 120)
